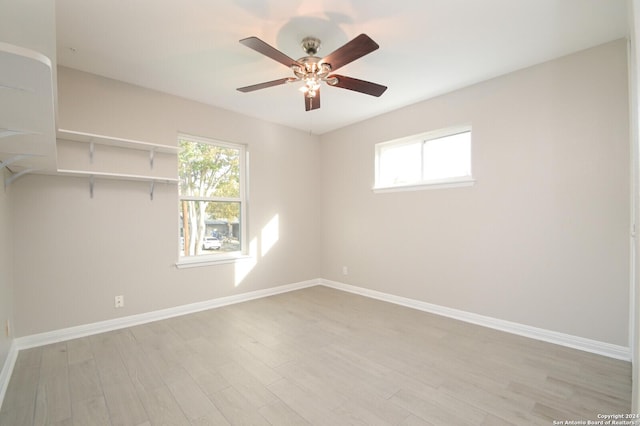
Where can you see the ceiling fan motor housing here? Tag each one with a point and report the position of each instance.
(311, 66)
(311, 45)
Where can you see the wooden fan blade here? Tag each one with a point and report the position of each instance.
(356, 85)
(261, 47)
(312, 103)
(263, 85)
(356, 48)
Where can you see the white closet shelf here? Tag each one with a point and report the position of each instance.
(116, 176)
(92, 139)
(152, 180)
(71, 135)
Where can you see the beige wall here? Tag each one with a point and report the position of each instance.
(542, 239)
(6, 268)
(29, 24)
(75, 253)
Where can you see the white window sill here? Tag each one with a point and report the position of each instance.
(199, 261)
(447, 183)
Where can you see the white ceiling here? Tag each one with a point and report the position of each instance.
(190, 48)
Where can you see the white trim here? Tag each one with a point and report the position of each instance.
(211, 260)
(64, 334)
(420, 186)
(581, 343)
(7, 370)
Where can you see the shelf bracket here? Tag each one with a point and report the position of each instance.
(15, 176)
(153, 185)
(91, 182)
(13, 159)
(92, 148)
(152, 154)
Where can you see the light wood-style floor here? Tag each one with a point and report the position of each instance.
(315, 356)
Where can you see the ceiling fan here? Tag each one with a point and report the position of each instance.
(312, 70)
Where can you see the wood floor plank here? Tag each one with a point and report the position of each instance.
(306, 404)
(413, 420)
(494, 400)
(328, 392)
(53, 401)
(210, 380)
(194, 403)
(91, 412)
(122, 401)
(161, 407)
(316, 356)
(236, 408)
(253, 390)
(279, 413)
(84, 381)
(79, 350)
(437, 413)
(54, 359)
(141, 370)
(124, 405)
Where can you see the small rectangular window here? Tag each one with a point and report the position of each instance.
(212, 199)
(441, 158)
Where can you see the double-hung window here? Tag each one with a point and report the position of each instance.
(440, 158)
(212, 207)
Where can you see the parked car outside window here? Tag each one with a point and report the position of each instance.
(211, 243)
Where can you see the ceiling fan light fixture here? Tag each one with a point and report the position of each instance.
(311, 85)
(312, 70)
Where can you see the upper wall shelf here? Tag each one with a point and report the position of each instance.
(74, 136)
(106, 157)
(93, 139)
(27, 111)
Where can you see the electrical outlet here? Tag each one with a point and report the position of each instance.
(345, 270)
(119, 302)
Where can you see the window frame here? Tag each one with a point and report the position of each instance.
(422, 184)
(242, 199)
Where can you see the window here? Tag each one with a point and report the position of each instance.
(212, 207)
(441, 158)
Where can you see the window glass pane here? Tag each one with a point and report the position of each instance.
(447, 157)
(208, 170)
(209, 227)
(398, 164)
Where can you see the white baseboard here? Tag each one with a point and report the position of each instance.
(581, 343)
(588, 345)
(64, 334)
(7, 369)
